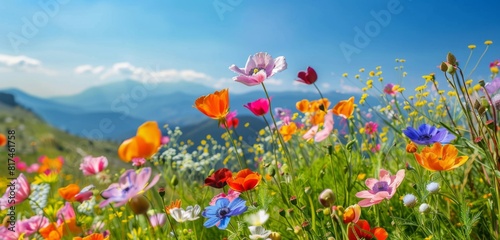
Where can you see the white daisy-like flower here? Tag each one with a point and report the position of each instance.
(258, 218)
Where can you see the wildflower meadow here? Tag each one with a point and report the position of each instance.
(414, 164)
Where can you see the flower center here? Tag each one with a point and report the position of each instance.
(425, 137)
(255, 70)
(380, 186)
(222, 212)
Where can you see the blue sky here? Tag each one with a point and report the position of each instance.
(51, 47)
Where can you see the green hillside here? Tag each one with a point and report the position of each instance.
(35, 138)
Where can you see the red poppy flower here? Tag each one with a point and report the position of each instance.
(309, 77)
(361, 230)
(218, 178)
(244, 180)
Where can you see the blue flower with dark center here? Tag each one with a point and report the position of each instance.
(427, 135)
(220, 213)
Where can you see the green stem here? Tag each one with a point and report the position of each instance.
(234, 146)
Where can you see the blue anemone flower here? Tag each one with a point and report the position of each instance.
(220, 213)
(427, 134)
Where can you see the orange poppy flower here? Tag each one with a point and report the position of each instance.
(244, 180)
(344, 108)
(440, 158)
(320, 105)
(69, 192)
(3, 140)
(318, 118)
(214, 105)
(48, 165)
(93, 236)
(287, 131)
(51, 232)
(145, 143)
(303, 105)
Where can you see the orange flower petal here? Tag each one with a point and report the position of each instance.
(3, 140)
(69, 192)
(380, 233)
(302, 105)
(143, 145)
(215, 105)
(344, 108)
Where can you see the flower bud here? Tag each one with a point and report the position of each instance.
(326, 198)
(352, 214)
(451, 59)
(432, 187)
(161, 192)
(307, 190)
(424, 208)
(282, 212)
(174, 181)
(293, 200)
(275, 236)
(443, 67)
(139, 204)
(411, 147)
(409, 200)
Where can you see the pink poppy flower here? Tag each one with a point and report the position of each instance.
(258, 68)
(158, 220)
(65, 213)
(231, 120)
(93, 165)
(259, 107)
(131, 184)
(231, 195)
(390, 89)
(308, 77)
(371, 128)
(17, 191)
(164, 140)
(137, 162)
(380, 189)
(323, 133)
(25, 227)
(85, 194)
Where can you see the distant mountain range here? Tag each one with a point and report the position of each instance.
(114, 111)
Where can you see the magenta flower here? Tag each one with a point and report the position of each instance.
(258, 68)
(65, 213)
(259, 107)
(231, 120)
(308, 77)
(25, 227)
(391, 89)
(380, 189)
(164, 140)
(130, 185)
(137, 162)
(93, 165)
(323, 133)
(17, 191)
(231, 195)
(371, 128)
(85, 194)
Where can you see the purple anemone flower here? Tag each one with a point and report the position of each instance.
(493, 86)
(130, 185)
(427, 134)
(220, 214)
(258, 68)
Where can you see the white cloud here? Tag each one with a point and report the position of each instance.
(83, 69)
(23, 63)
(346, 88)
(123, 70)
